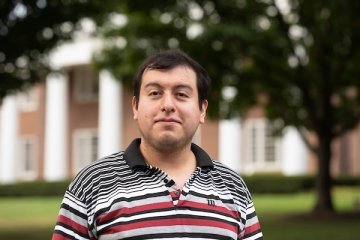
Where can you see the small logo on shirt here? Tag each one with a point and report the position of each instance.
(211, 202)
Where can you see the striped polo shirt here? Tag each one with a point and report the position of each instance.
(122, 197)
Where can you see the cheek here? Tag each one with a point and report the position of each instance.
(144, 112)
(192, 116)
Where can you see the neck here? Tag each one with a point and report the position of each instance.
(174, 158)
(178, 164)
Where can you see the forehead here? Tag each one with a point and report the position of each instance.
(173, 76)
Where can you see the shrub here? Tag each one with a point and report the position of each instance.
(256, 183)
(347, 181)
(278, 183)
(35, 188)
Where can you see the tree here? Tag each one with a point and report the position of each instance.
(295, 58)
(30, 29)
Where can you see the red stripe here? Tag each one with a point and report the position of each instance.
(169, 223)
(74, 225)
(174, 195)
(133, 210)
(57, 236)
(206, 206)
(252, 228)
(163, 205)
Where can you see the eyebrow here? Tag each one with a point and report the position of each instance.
(154, 84)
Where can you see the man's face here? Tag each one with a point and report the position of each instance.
(168, 111)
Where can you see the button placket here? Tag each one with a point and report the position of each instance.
(189, 183)
(177, 193)
(171, 189)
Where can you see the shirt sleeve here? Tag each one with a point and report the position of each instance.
(252, 225)
(72, 219)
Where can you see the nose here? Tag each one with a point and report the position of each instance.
(167, 104)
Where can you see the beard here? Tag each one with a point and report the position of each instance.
(167, 142)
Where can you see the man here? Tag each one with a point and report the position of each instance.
(162, 186)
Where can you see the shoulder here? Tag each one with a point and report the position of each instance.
(233, 180)
(223, 169)
(96, 172)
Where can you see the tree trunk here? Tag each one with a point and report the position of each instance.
(323, 180)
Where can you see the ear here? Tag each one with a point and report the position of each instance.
(203, 109)
(134, 104)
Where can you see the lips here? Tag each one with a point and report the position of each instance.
(167, 120)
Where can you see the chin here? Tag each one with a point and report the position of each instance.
(170, 142)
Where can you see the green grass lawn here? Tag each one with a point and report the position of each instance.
(34, 218)
(28, 218)
(286, 216)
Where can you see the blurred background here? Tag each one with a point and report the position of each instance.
(284, 105)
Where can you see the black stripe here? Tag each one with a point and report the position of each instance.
(113, 178)
(179, 235)
(71, 229)
(74, 211)
(254, 233)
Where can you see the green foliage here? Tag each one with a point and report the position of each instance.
(300, 62)
(37, 188)
(281, 216)
(278, 184)
(275, 184)
(300, 58)
(297, 61)
(347, 181)
(30, 29)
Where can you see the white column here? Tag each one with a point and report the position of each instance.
(56, 127)
(230, 143)
(8, 139)
(294, 153)
(110, 110)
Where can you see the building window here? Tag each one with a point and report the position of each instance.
(27, 157)
(254, 144)
(86, 84)
(85, 148)
(263, 147)
(270, 144)
(28, 100)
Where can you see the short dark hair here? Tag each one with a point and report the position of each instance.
(169, 59)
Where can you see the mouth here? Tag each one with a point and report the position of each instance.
(167, 120)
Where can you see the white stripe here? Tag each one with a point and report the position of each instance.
(171, 229)
(71, 233)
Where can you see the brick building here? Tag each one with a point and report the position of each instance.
(78, 115)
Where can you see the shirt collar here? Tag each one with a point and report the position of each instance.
(134, 158)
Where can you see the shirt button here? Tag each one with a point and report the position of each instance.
(166, 181)
(177, 193)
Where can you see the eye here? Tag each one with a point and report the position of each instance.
(182, 95)
(154, 93)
